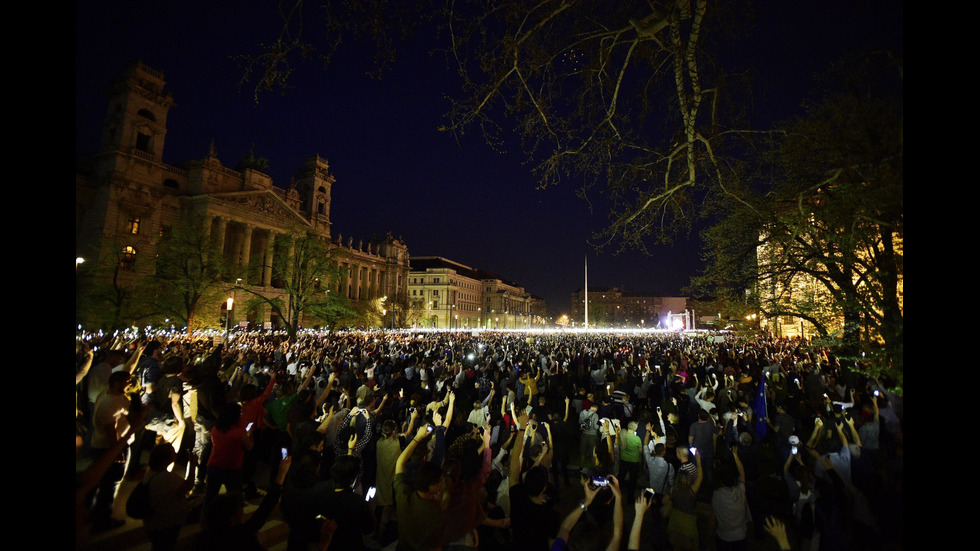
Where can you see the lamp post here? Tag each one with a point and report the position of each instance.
(78, 260)
(231, 301)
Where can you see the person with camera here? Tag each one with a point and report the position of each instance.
(592, 486)
(418, 500)
(680, 505)
(533, 521)
(731, 508)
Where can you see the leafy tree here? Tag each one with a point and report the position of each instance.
(363, 314)
(191, 273)
(109, 297)
(305, 271)
(822, 239)
(412, 316)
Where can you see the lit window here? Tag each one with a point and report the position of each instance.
(134, 225)
(128, 258)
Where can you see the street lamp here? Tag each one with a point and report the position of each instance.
(231, 301)
(78, 260)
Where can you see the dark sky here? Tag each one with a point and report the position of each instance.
(395, 172)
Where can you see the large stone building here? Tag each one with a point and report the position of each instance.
(126, 198)
(453, 295)
(616, 307)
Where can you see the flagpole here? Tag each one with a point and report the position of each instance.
(586, 291)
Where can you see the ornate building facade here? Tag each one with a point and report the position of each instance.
(126, 198)
(453, 295)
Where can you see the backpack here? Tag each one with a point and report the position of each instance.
(138, 504)
(588, 421)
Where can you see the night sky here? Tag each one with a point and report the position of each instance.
(395, 172)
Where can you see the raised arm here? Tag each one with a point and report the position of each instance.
(322, 429)
(326, 391)
(411, 422)
(380, 405)
(617, 536)
(738, 465)
(449, 412)
(487, 456)
(486, 401)
(700, 477)
(130, 364)
(306, 380)
(609, 437)
(546, 458)
(515, 457)
(565, 530)
(86, 365)
(815, 435)
(852, 430)
(641, 506)
(420, 435)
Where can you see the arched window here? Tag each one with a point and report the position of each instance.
(128, 258)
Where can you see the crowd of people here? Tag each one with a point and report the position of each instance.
(489, 440)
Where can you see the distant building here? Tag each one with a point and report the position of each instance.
(616, 307)
(453, 295)
(126, 198)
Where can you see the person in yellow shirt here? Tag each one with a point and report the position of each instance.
(530, 384)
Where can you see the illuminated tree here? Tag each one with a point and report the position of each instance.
(191, 273)
(412, 316)
(109, 295)
(822, 239)
(305, 273)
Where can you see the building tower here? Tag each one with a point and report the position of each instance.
(136, 122)
(313, 181)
